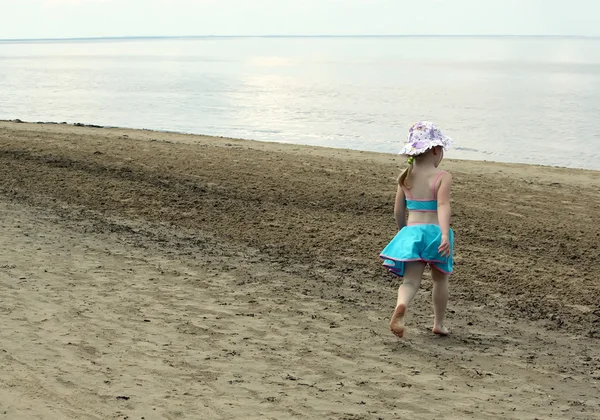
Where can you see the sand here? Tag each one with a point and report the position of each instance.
(166, 276)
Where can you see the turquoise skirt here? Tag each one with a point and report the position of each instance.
(417, 243)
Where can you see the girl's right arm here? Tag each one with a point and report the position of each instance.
(400, 208)
(443, 199)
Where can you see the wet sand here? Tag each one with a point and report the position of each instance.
(169, 276)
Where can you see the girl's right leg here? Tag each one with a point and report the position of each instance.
(440, 300)
(413, 272)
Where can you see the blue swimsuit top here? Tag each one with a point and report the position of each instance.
(418, 205)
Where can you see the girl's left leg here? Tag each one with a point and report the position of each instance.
(413, 272)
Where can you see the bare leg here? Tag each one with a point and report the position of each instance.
(413, 272)
(440, 300)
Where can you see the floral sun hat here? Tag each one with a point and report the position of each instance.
(423, 136)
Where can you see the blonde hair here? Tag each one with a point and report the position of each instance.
(403, 179)
(404, 176)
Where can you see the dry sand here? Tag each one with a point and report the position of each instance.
(164, 276)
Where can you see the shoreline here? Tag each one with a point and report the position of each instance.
(295, 145)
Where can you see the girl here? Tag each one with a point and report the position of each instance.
(426, 238)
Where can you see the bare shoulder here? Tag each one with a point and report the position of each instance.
(446, 176)
(445, 183)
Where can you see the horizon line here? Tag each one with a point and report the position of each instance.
(158, 37)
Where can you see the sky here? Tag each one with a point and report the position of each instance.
(114, 18)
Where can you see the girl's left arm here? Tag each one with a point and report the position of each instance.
(400, 208)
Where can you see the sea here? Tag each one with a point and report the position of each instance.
(532, 100)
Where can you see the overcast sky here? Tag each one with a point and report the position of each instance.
(95, 18)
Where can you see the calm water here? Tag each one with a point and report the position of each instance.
(532, 100)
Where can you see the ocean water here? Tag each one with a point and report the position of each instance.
(529, 100)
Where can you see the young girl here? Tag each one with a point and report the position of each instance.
(424, 190)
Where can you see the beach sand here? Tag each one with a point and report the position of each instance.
(148, 275)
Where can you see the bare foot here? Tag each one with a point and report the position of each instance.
(397, 321)
(441, 330)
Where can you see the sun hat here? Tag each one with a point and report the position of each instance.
(423, 136)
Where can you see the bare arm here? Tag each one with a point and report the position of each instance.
(400, 208)
(443, 199)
